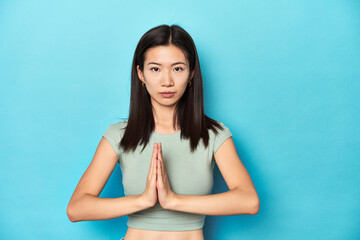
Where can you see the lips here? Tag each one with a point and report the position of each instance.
(167, 94)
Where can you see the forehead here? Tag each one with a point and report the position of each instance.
(164, 54)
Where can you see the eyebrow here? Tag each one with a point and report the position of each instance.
(171, 64)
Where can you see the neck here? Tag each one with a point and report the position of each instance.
(163, 117)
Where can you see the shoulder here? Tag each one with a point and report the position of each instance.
(220, 133)
(119, 125)
(114, 134)
(219, 127)
(116, 129)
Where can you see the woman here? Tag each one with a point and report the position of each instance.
(166, 150)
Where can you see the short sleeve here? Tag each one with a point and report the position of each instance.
(113, 135)
(221, 136)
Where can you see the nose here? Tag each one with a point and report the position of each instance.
(167, 79)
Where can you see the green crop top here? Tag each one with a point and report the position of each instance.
(188, 173)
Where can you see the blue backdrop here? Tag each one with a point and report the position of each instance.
(282, 75)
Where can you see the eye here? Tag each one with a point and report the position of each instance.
(154, 68)
(179, 68)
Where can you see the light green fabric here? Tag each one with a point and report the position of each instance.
(188, 173)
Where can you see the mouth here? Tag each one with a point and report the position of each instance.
(167, 94)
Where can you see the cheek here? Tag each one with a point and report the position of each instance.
(151, 88)
(185, 83)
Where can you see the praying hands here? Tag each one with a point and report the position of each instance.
(158, 185)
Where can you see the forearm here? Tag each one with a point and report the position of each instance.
(233, 202)
(90, 207)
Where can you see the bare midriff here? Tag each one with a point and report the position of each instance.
(142, 234)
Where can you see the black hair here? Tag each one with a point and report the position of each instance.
(189, 110)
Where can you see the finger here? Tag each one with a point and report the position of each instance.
(159, 172)
(161, 165)
(155, 164)
(153, 157)
(161, 160)
(157, 169)
(164, 175)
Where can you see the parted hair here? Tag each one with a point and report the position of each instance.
(189, 110)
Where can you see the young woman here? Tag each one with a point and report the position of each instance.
(166, 150)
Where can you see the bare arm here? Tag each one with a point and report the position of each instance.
(240, 199)
(233, 202)
(89, 207)
(85, 203)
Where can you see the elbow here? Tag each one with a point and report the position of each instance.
(255, 206)
(70, 213)
(249, 202)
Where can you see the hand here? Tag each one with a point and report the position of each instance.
(150, 194)
(165, 194)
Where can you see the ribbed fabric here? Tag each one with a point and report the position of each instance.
(188, 173)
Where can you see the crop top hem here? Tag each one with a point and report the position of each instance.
(166, 226)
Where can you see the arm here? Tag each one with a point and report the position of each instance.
(240, 199)
(85, 203)
(90, 207)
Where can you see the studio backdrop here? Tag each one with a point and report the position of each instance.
(284, 76)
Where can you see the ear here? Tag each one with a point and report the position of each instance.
(139, 73)
(192, 74)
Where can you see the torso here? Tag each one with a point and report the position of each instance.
(142, 234)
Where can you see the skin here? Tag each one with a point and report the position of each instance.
(240, 199)
(164, 76)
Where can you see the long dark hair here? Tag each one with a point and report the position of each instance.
(189, 111)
